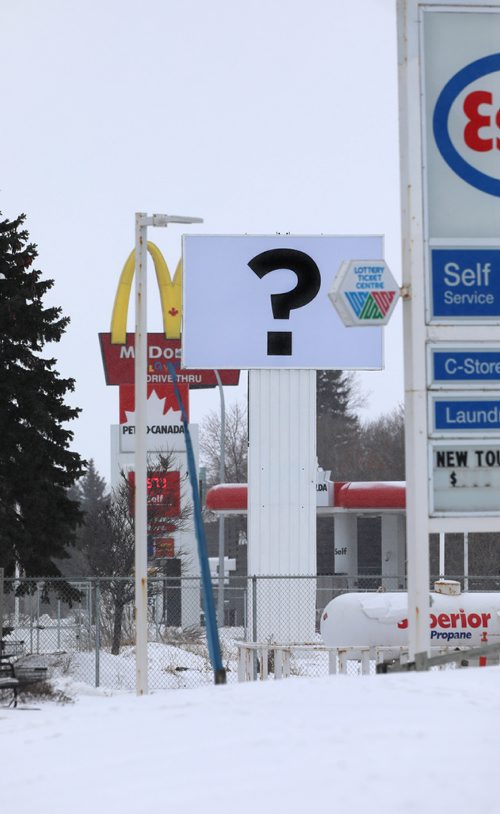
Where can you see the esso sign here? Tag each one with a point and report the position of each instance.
(466, 124)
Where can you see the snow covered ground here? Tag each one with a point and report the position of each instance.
(394, 743)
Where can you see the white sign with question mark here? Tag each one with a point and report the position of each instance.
(261, 301)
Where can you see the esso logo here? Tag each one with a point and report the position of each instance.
(466, 124)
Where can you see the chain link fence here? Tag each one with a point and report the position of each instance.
(84, 629)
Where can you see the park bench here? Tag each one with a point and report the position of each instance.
(14, 674)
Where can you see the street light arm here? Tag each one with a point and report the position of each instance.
(164, 220)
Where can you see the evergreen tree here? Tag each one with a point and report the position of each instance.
(92, 488)
(37, 517)
(90, 494)
(336, 395)
(337, 423)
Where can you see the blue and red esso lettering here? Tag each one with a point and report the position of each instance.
(466, 124)
(483, 119)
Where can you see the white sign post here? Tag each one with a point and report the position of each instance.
(450, 186)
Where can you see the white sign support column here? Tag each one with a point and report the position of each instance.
(282, 501)
(417, 509)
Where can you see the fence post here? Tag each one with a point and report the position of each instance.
(278, 663)
(97, 632)
(245, 610)
(254, 624)
(32, 601)
(38, 617)
(58, 624)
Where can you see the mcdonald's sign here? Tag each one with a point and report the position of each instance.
(118, 346)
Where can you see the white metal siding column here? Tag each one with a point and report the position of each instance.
(282, 500)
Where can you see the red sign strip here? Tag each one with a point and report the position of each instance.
(118, 362)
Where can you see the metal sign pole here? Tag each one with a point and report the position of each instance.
(141, 519)
(142, 221)
(222, 478)
(414, 336)
(442, 571)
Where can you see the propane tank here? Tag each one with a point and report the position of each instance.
(381, 619)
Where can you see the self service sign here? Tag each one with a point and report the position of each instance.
(466, 284)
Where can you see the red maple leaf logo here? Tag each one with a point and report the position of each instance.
(173, 312)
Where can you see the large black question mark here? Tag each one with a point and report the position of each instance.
(279, 343)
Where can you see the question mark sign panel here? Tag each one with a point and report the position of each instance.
(279, 343)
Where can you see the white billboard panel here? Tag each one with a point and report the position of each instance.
(262, 302)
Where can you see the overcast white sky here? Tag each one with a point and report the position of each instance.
(260, 116)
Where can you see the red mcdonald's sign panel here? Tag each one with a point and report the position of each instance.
(118, 361)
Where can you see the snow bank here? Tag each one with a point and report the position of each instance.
(394, 743)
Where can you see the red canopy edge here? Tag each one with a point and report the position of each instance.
(233, 497)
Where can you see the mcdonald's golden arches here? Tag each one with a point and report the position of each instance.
(170, 296)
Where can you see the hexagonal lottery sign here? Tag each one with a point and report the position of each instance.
(364, 293)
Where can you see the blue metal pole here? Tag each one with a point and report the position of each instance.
(206, 582)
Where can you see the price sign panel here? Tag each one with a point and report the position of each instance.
(465, 478)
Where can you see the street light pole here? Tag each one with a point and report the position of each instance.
(142, 221)
(222, 477)
(141, 511)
